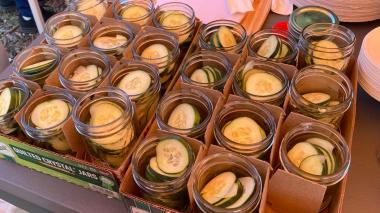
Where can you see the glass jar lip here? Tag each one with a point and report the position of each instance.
(292, 18)
(324, 70)
(128, 31)
(150, 6)
(304, 127)
(186, 25)
(191, 93)
(93, 92)
(66, 96)
(75, 3)
(24, 87)
(84, 51)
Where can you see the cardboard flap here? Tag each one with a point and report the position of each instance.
(291, 193)
(209, 134)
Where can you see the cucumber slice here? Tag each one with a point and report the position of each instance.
(243, 130)
(9, 99)
(269, 47)
(218, 187)
(300, 151)
(134, 12)
(322, 143)
(279, 49)
(218, 74)
(50, 113)
(172, 156)
(68, 35)
(150, 176)
(184, 116)
(110, 42)
(135, 83)
(249, 185)
(226, 37)
(214, 39)
(37, 67)
(326, 53)
(284, 50)
(210, 73)
(159, 174)
(315, 164)
(329, 160)
(261, 83)
(85, 73)
(104, 112)
(232, 196)
(200, 76)
(333, 103)
(157, 54)
(174, 19)
(318, 98)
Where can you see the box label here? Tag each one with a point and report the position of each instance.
(54, 165)
(136, 206)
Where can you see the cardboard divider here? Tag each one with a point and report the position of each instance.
(129, 188)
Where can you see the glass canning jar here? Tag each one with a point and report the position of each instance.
(66, 29)
(216, 69)
(326, 44)
(96, 8)
(51, 137)
(112, 38)
(36, 63)
(284, 50)
(215, 164)
(305, 16)
(167, 63)
(335, 86)
(134, 11)
(74, 71)
(211, 29)
(172, 193)
(200, 103)
(341, 152)
(145, 102)
(178, 18)
(256, 112)
(19, 94)
(269, 86)
(104, 118)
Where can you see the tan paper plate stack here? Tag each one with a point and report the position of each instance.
(347, 10)
(368, 64)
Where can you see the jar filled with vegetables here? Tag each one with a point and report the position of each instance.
(178, 18)
(159, 48)
(322, 93)
(104, 118)
(44, 117)
(134, 11)
(186, 112)
(263, 82)
(273, 45)
(224, 36)
(36, 63)
(141, 82)
(13, 96)
(226, 182)
(95, 8)
(83, 69)
(327, 44)
(317, 153)
(246, 128)
(161, 167)
(111, 38)
(206, 69)
(66, 29)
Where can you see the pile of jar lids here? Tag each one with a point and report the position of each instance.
(348, 11)
(368, 64)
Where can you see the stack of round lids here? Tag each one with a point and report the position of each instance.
(368, 64)
(347, 10)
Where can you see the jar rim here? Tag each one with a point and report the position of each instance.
(75, 4)
(292, 18)
(125, 28)
(23, 87)
(168, 4)
(122, 3)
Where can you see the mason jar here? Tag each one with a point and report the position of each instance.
(326, 44)
(76, 71)
(273, 45)
(66, 29)
(263, 82)
(171, 193)
(215, 69)
(210, 31)
(265, 126)
(40, 123)
(178, 18)
(340, 151)
(104, 118)
(336, 90)
(145, 102)
(111, 38)
(215, 164)
(96, 8)
(36, 63)
(19, 93)
(134, 11)
(200, 104)
(305, 16)
(166, 42)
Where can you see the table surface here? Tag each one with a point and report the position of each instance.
(38, 192)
